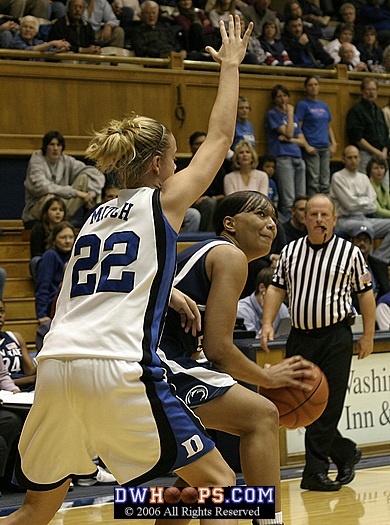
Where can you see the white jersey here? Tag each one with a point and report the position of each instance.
(117, 283)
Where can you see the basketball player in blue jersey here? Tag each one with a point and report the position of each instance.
(100, 386)
(214, 273)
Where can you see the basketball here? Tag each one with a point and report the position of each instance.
(189, 495)
(298, 408)
(172, 495)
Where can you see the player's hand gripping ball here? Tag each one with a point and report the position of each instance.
(298, 408)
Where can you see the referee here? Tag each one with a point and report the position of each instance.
(318, 273)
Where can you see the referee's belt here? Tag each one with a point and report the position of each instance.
(347, 321)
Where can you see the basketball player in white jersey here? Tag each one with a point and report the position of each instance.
(100, 389)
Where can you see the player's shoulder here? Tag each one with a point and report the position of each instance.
(227, 255)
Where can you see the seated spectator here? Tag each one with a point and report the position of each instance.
(363, 238)
(198, 32)
(221, 11)
(355, 200)
(383, 312)
(3, 277)
(295, 228)
(259, 13)
(244, 129)
(348, 16)
(275, 53)
(346, 55)
(26, 38)
(302, 49)
(152, 38)
(19, 8)
(267, 163)
(255, 53)
(373, 13)
(343, 34)
(51, 270)
(15, 356)
(384, 67)
(127, 12)
(8, 28)
(376, 170)
(53, 212)
(312, 28)
(311, 12)
(133, 5)
(245, 176)
(50, 172)
(371, 52)
(74, 29)
(250, 309)
(100, 15)
(168, 11)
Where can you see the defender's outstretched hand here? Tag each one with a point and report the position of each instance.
(233, 46)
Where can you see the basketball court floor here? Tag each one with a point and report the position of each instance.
(366, 501)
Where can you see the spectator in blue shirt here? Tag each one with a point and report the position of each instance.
(285, 139)
(26, 38)
(315, 120)
(250, 309)
(51, 269)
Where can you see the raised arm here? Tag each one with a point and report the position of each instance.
(181, 190)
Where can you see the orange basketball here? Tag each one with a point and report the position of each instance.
(298, 408)
(189, 495)
(172, 495)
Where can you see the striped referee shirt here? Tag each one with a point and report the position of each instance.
(319, 280)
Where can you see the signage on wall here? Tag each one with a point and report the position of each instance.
(366, 414)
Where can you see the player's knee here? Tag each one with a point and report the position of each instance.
(267, 415)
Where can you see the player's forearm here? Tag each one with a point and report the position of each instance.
(223, 116)
(233, 362)
(367, 309)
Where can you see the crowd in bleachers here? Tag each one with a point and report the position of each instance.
(300, 145)
(293, 33)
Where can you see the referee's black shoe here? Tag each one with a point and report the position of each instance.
(319, 481)
(347, 470)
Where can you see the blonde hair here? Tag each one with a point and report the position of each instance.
(127, 147)
(239, 146)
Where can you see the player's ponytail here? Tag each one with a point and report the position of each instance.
(127, 147)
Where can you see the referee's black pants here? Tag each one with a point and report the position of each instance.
(331, 349)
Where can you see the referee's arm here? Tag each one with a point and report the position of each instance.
(365, 344)
(272, 303)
